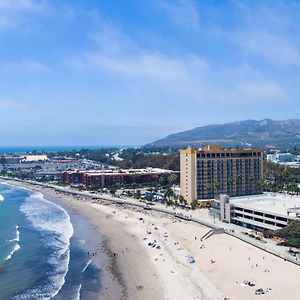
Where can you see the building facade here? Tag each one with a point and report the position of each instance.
(259, 212)
(188, 174)
(280, 157)
(107, 178)
(207, 173)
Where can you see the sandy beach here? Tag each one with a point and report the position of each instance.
(149, 257)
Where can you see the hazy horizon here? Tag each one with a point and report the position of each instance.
(131, 72)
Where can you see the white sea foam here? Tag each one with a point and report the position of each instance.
(17, 238)
(14, 250)
(17, 246)
(15, 186)
(88, 263)
(77, 297)
(56, 228)
(1, 198)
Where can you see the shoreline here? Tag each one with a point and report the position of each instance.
(112, 278)
(130, 263)
(100, 258)
(222, 262)
(98, 253)
(114, 244)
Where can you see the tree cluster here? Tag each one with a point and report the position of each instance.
(290, 234)
(138, 159)
(280, 178)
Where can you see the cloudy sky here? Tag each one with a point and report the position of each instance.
(113, 72)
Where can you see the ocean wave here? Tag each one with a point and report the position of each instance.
(1, 198)
(14, 187)
(77, 297)
(14, 250)
(17, 238)
(54, 224)
(8, 244)
(86, 266)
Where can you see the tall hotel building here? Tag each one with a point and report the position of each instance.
(207, 173)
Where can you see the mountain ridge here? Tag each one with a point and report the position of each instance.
(266, 133)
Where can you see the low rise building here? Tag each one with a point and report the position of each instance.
(280, 157)
(34, 158)
(10, 159)
(106, 178)
(261, 212)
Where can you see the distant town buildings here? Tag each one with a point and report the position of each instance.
(280, 157)
(16, 159)
(107, 178)
(207, 173)
(286, 159)
(34, 158)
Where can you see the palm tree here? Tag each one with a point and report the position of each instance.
(251, 180)
(194, 204)
(172, 179)
(169, 194)
(261, 184)
(210, 188)
(217, 185)
(138, 194)
(181, 200)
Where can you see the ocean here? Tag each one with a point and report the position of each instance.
(44, 249)
(29, 149)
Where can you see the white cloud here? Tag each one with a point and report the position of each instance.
(12, 11)
(266, 32)
(182, 13)
(24, 66)
(110, 40)
(261, 90)
(7, 103)
(21, 5)
(151, 65)
(273, 47)
(118, 54)
(188, 76)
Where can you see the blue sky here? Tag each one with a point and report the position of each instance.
(128, 72)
